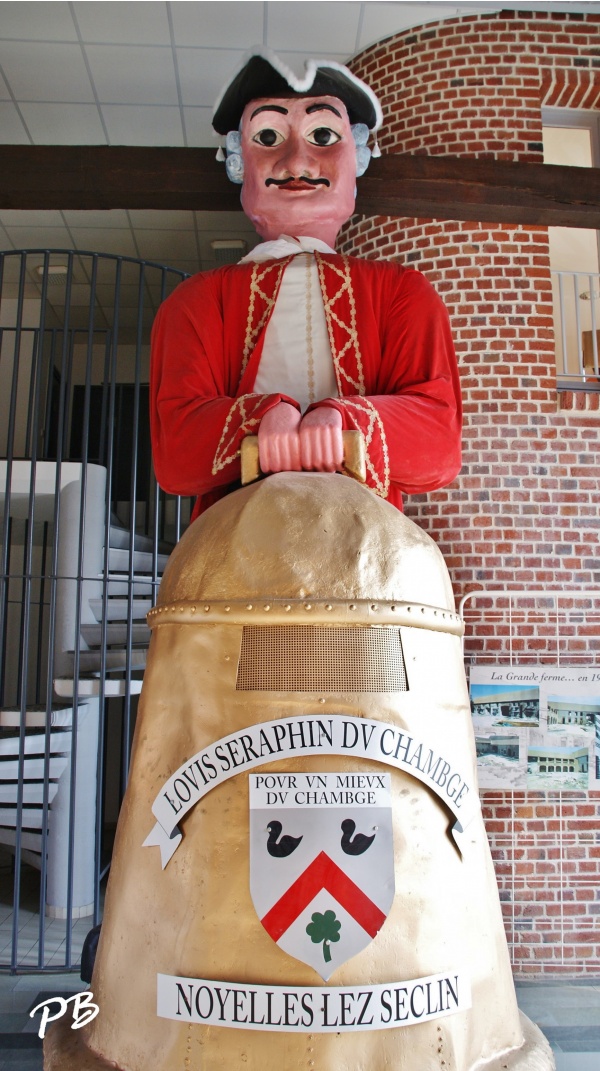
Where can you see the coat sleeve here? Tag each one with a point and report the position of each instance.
(411, 417)
(197, 421)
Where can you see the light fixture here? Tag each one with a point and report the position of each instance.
(51, 269)
(228, 250)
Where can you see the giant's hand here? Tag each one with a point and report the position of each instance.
(321, 444)
(278, 439)
(288, 443)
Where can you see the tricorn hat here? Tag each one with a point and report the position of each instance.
(264, 75)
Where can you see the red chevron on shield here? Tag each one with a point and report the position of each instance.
(321, 862)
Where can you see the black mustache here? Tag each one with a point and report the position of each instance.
(299, 178)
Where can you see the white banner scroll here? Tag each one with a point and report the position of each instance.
(313, 1009)
(289, 738)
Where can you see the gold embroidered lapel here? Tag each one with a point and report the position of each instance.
(340, 314)
(264, 286)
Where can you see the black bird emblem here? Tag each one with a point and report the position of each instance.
(286, 845)
(360, 843)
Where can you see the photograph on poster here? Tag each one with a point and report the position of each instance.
(558, 768)
(537, 727)
(501, 759)
(573, 712)
(513, 705)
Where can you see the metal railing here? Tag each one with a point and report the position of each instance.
(85, 535)
(576, 299)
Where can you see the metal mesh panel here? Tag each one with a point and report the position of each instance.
(306, 658)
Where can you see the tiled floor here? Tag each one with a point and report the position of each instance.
(568, 1013)
(28, 940)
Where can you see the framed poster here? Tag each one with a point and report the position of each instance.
(537, 727)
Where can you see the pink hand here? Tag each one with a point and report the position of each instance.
(321, 444)
(278, 439)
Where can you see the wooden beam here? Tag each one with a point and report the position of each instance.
(490, 191)
(438, 187)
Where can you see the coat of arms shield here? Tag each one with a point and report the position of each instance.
(321, 862)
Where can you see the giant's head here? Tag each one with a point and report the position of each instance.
(296, 145)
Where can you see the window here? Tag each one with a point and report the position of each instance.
(572, 138)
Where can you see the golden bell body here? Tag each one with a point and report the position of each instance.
(257, 585)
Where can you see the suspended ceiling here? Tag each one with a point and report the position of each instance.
(147, 73)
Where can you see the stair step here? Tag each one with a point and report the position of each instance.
(33, 793)
(115, 634)
(88, 688)
(34, 744)
(33, 817)
(32, 769)
(30, 842)
(120, 537)
(118, 609)
(35, 719)
(90, 661)
(142, 561)
(118, 585)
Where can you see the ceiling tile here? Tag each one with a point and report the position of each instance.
(64, 124)
(12, 131)
(4, 90)
(39, 237)
(30, 217)
(225, 222)
(329, 26)
(198, 127)
(204, 72)
(382, 20)
(105, 294)
(38, 22)
(297, 60)
(118, 241)
(47, 72)
(136, 125)
(132, 74)
(156, 245)
(150, 218)
(230, 25)
(140, 23)
(189, 266)
(112, 218)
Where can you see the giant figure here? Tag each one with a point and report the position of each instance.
(296, 342)
(301, 877)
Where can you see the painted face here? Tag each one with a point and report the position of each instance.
(299, 166)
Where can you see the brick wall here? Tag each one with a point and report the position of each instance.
(525, 510)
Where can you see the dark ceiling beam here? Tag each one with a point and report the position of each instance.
(438, 187)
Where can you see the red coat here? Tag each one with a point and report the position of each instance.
(393, 358)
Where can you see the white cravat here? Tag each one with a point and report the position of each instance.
(296, 358)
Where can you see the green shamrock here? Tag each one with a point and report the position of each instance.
(324, 928)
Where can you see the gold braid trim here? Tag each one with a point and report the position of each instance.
(335, 282)
(225, 452)
(364, 408)
(258, 316)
